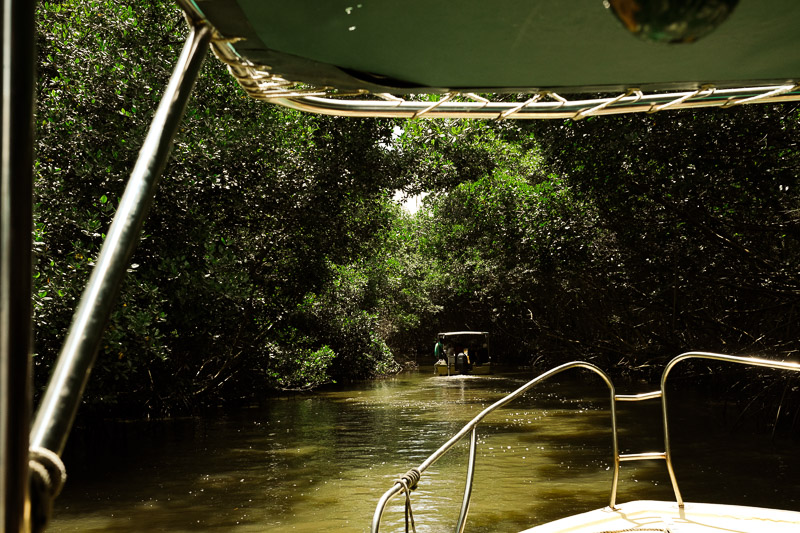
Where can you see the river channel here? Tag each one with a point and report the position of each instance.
(320, 462)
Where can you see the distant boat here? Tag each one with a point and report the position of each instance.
(465, 352)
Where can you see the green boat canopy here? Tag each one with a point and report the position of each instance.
(539, 47)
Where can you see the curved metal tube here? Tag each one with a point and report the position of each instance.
(62, 398)
(473, 452)
(536, 108)
(470, 427)
(752, 361)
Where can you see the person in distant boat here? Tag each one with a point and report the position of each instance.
(462, 361)
(438, 350)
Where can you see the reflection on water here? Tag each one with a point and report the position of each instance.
(320, 462)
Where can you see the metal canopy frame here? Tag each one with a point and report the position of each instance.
(540, 105)
(71, 373)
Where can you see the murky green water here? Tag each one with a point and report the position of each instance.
(321, 462)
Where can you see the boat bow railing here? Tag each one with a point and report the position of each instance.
(408, 481)
(471, 429)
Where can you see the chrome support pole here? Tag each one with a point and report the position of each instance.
(473, 445)
(17, 22)
(60, 403)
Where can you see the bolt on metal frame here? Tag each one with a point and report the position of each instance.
(618, 458)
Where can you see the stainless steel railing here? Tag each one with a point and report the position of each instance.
(751, 361)
(471, 428)
(666, 455)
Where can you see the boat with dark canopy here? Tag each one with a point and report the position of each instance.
(519, 59)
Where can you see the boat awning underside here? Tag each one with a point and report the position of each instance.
(510, 45)
(280, 50)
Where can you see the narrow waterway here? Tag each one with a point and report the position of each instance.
(312, 463)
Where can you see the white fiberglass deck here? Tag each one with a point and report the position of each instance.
(667, 517)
